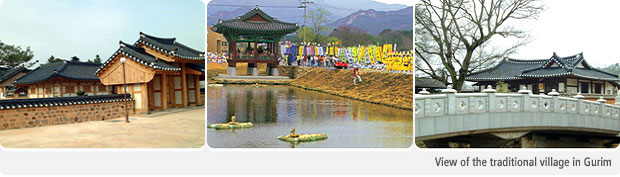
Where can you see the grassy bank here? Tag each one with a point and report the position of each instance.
(389, 89)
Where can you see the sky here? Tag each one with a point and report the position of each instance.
(405, 2)
(569, 27)
(85, 28)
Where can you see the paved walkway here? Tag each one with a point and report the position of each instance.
(174, 130)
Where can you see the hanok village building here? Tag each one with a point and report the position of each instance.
(567, 75)
(7, 77)
(62, 79)
(253, 38)
(161, 73)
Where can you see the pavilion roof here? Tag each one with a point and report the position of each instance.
(74, 70)
(516, 69)
(247, 24)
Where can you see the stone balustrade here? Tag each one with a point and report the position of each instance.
(451, 112)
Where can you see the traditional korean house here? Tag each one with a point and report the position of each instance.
(253, 38)
(430, 84)
(63, 79)
(161, 73)
(567, 75)
(7, 77)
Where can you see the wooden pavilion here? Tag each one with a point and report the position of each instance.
(161, 73)
(253, 38)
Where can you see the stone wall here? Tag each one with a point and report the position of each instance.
(64, 113)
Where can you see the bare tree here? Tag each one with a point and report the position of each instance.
(452, 36)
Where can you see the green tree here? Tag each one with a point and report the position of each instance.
(13, 56)
(53, 59)
(402, 38)
(352, 36)
(304, 32)
(75, 58)
(97, 59)
(318, 24)
(614, 69)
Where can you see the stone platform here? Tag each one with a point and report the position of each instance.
(272, 80)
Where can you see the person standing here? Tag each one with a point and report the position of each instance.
(356, 75)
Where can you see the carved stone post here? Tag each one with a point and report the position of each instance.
(491, 95)
(451, 103)
(526, 98)
(580, 103)
(555, 100)
(424, 92)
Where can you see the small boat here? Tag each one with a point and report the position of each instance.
(231, 125)
(302, 137)
(215, 85)
(258, 85)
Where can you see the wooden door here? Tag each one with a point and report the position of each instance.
(176, 91)
(155, 93)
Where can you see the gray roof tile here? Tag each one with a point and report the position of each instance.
(241, 24)
(514, 69)
(74, 70)
(170, 46)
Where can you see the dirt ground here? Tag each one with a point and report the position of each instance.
(175, 130)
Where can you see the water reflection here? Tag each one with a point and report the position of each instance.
(274, 110)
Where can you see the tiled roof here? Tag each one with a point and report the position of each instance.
(428, 83)
(3, 70)
(139, 55)
(170, 46)
(515, 69)
(74, 70)
(242, 24)
(61, 101)
(12, 72)
(197, 66)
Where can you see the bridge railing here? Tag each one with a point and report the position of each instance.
(444, 112)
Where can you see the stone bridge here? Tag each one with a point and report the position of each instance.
(522, 119)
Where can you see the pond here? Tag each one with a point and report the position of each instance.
(274, 110)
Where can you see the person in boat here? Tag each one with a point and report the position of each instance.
(356, 75)
(232, 121)
(293, 133)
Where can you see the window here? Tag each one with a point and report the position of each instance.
(585, 87)
(597, 88)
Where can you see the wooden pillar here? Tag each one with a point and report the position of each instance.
(197, 87)
(164, 91)
(184, 84)
(144, 92)
(96, 87)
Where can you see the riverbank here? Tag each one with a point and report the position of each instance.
(390, 89)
